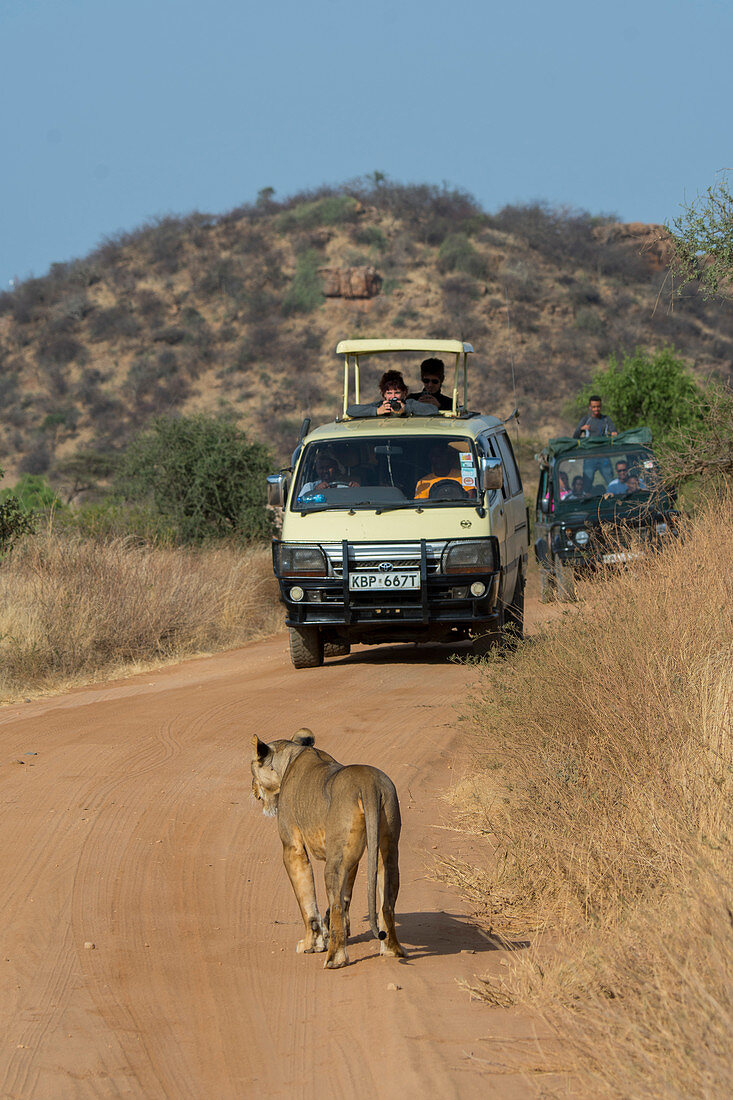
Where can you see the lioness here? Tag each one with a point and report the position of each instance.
(331, 812)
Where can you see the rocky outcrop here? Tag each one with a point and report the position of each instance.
(653, 242)
(350, 282)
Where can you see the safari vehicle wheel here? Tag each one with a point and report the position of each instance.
(547, 585)
(484, 643)
(336, 649)
(306, 646)
(564, 581)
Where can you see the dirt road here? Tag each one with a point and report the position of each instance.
(148, 929)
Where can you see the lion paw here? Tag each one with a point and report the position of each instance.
(337, 960)
(394, 950)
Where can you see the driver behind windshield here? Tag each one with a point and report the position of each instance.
(328, 473)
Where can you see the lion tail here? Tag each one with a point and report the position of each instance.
(372, 802)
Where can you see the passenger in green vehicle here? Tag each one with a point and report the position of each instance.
(578, 488)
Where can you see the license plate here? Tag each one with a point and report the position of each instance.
(609, 559)
(375, 582)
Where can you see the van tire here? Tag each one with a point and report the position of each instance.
(564, 581)
(336, 649)
(306, 646)
(483, 644)
(513, 629)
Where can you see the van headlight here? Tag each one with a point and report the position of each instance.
(582, 538)
(296, 559)
(661, 528)
(470, 556)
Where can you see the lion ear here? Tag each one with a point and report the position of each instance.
(261, 748)
(304, 737)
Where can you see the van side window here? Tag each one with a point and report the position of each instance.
(511, 472)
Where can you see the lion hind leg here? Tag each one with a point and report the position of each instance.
(388, 879)
(338, 877)
(300, 873)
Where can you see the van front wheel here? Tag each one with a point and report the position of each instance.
(306, 646)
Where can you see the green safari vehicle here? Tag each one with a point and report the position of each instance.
(598, 502)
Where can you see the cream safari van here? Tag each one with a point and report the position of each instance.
(401, 528)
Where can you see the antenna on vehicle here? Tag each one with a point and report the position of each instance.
(515, 414)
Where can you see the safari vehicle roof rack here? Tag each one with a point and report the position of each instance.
(352, 350)
(641, 437)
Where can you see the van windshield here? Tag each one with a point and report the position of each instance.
(386, 472)
(618, 474)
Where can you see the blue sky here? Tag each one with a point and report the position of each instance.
(114, 113)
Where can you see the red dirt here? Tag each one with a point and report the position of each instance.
(149, 930)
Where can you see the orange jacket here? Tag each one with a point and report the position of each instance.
(425, 484)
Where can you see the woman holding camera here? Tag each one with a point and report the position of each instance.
(394, 400)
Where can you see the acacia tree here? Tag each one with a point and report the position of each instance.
(201, 475)
(706, 450)
(703, 240)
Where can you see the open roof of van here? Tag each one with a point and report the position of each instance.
(384, 347)
(352, 350)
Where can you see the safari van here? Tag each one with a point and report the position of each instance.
(401, 528)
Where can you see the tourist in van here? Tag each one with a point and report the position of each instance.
(394, 400)
(444, 466)
(432, 373)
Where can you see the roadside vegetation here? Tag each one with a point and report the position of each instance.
(165, 560)
(75, 609)
(604, 772)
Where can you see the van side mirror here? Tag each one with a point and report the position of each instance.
(545, 506)
(277, 490)
(492, 474)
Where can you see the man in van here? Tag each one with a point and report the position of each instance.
(432, 373)
(394, 400)
(443, 467)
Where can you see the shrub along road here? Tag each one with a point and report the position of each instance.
(148, 926)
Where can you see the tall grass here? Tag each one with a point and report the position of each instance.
(75, 609)
(605, 774)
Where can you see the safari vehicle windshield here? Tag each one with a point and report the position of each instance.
(620, 474)
(386, 472)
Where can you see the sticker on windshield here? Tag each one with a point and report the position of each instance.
(466, 458)
(467, 481)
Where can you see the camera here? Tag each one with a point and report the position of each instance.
(395, 405)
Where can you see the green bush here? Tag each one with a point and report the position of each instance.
(201, 476)
(15, 519)
(305, 292)
(33, 493)
(331, 210)
(371, 236)
(456, 253)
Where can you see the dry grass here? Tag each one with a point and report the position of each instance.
(75, 609)
(605, 772)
